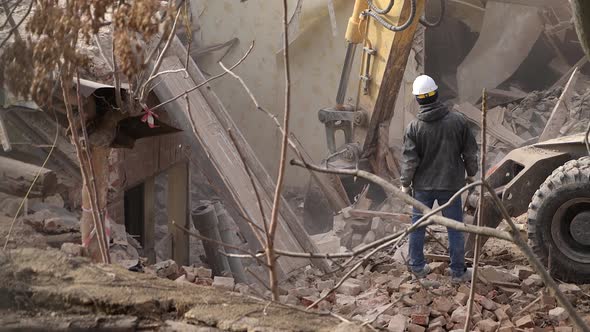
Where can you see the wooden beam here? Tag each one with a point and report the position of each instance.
(226, 166)
(560, 112)
(16, 177)
(397, 218)
(149, 220)
(217, 112)
(177, 208)
(392, 78)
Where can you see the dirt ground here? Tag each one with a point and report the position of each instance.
(47, 290)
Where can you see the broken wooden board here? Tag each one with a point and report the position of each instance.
(213, 138)
(496, 130)
(508, 34)
(560, 112)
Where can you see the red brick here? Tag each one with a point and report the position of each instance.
(420, 319)
(415, 328)
(526, 321)
(442, 304)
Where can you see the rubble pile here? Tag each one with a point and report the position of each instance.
(528, 118)
(384, 294)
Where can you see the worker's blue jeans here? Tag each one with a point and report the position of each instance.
(456, 241)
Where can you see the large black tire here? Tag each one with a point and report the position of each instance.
(563, 195)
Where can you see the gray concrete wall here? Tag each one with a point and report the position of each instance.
(316, 60)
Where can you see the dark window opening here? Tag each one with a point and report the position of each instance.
(134, 208)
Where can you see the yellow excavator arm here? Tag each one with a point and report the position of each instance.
(385, 31)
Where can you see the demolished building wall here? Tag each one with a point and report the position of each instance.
(317, 57)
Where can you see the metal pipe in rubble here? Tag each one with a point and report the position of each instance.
(227, 231)
(390, 26)
(206, 222)
(345, 76)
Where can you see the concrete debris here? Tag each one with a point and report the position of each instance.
(349, 287)
(165, 269)
(559, 314)
(327, 242)
(51, 222)
(73, 249)
(224, 283)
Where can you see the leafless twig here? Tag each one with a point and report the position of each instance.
(480, 213)
(282, 163)
(158, 63)
(206, 81)
(14, 28)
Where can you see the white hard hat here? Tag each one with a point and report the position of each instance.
(424, 85)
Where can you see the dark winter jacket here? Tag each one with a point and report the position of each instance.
(438, 149)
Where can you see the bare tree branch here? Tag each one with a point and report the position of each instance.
(206, 81)
(480, 210)
(156, 67)
(14, 28)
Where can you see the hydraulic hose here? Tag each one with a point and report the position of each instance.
(390, 26)
(378, 10)
(443, 8)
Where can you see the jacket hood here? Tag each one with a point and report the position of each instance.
(432, 112)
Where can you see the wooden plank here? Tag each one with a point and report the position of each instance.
(149, 219)
(227, 166)
(392, 79)
(494, 129)
(267, 184)
(177, 208)
(560, 112)
(397, 218)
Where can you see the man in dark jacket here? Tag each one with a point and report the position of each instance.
(439, 148)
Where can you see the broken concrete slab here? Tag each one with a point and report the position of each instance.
(509, 32)
(224, 283)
